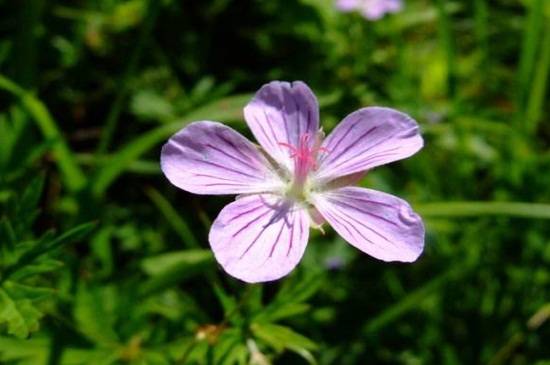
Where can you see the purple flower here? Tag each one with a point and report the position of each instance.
(296, 180)
(370, 9)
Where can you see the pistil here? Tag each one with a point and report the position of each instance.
(305, 160)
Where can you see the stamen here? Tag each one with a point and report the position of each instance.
(292, 148)
(304, 161)
(302, 152)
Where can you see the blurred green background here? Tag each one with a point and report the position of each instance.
(102, 261)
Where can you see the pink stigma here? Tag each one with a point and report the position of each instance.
(304, 159)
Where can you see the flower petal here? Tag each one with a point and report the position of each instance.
(347, 5)
(211, 158)
(259, 237)
(282, 112)
(365, 139)
(381, 225)
(376, 9)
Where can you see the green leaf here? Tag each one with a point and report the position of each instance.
(31, 196)
(172, 268)
(281, 337)
(7, 242)
(24, 352)
(20, 315)
(279, 311)
(33, 293)
(228, 302)
(174, 218)
(226, 109)
(229, 348)
(119, 161)
(148, 104)
(289, 300)
(48, 244)
(93, 314)
(97, 356)
(300, 289)
(42, 266)
(474, 209)
(74, 178)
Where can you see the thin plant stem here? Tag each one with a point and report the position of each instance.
(537, 98)
(531, 39)
(476, 209)
(446, 38)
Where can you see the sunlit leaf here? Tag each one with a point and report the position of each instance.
(94, 316)
(281, 337)
(170, 269)
(24, 352)
(20, 315)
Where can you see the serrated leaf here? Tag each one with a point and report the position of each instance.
(40, 267)
(34, 294)
(47, 244)
(20, 315)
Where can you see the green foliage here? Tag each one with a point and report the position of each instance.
(89, 92)
(23, 258)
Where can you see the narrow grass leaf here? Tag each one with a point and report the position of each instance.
(473, 209)
(74, 178)
(223, 110)
(173, 218)
(537, 98)
(531, 38)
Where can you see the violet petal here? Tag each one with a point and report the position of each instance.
(376, 9)
(381, 225)
(365, 139)
(259, 238)
(348, 5)
(282, 112)
(211, 158)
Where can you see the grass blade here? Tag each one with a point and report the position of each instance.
(73, 177)
(475, 209)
